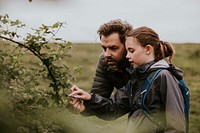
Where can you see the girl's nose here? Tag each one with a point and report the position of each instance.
(127, 56)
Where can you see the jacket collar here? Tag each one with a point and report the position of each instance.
(140, 72)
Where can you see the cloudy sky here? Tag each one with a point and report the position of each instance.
(173, 20)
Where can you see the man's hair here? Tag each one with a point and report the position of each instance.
(115, 26)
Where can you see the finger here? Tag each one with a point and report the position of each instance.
(76, 105)
(74, 88)
(78, 96)
(79, 104)
(74, 101)
(73, 94)
(80, 107)
(76, 92)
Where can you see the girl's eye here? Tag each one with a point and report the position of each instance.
(131, 51)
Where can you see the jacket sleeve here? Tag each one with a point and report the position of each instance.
(108, 109)
(174, 103)
(102, 84)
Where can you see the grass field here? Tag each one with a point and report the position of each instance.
(86, 55)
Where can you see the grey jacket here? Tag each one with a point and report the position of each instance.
(106, 80)
(164, 99)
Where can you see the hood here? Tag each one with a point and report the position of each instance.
(142, 71)
(177, 72)
(160, 64)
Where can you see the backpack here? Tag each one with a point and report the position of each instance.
(184, 90)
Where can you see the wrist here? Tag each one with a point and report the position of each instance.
(89, 96)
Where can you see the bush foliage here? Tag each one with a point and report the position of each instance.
(35, 84)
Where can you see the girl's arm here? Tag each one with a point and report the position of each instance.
(94, 104)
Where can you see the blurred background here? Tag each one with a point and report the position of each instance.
(174, 20)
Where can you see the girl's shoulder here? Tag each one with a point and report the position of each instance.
(167, 71)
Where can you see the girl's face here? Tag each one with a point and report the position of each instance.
(136, 54)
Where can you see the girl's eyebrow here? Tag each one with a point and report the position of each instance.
(130, 48)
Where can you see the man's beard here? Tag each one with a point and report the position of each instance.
(117, 66)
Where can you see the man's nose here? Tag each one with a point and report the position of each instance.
(107, 53)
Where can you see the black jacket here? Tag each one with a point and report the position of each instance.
(164, 99)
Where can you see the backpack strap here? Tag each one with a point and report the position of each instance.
(145, 87)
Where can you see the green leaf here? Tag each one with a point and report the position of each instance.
(4, 21)
(16, 22)
(56, 25)
(58, 38)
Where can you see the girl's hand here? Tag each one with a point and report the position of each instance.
(76, 100)
(79, 93)
(77, 105)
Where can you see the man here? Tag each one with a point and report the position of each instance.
(111, 69)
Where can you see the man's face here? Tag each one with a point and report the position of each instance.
(114, 50)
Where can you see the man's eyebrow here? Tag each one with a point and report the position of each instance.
(112, 45)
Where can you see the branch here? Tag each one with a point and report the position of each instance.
(37, 55)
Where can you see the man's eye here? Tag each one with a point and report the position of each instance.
(114, 48)
(104, 49)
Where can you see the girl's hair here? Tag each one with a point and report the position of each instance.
(115, 26)
(146, 36)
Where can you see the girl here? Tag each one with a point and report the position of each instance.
(164, 100)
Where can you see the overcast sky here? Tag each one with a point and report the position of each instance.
(173, 20)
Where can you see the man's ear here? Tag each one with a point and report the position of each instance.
(149, 49)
